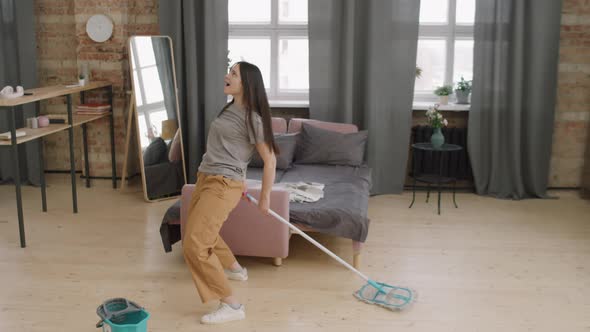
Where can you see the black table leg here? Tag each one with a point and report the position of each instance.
(42, 176)
(413, 194)
(414, 178)
(16, 175)
(112, 128)
(41, 164)
(454, 185)
(72, 161)
(86, 163)
(440, 168)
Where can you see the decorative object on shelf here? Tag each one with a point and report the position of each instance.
(81, 80)
(8, 136)
(99, 28)
(462, 91)
(42, 121)
(32, 123)
(443, 93)
(8, 92)
(436, 121)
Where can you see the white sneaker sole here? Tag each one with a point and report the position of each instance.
(237, 317)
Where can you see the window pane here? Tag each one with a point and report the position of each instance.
(293, 64)
(248, 11)
(156, 119)
(434, 11)
(146, 51)
(292, 11)
(463, 60)
(431, 58)
(143, 137)
(152, 87)
(137, 90)
(465, 11)
(256, 51)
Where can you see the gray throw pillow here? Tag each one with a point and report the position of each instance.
(321, 146)
(155, 153)
(286, 144)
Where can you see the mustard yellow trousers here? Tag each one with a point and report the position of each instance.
(205, 252)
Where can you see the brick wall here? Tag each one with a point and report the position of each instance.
(572, 115)
(64, 47)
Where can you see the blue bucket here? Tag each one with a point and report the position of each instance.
(121, 315)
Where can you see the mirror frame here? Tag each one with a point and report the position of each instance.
(136, 118)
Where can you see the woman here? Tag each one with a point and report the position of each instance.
(243, 125)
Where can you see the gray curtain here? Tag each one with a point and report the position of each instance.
(362, 57)
(163, 53)
(18, 66)
(514, 94)
(199, 31)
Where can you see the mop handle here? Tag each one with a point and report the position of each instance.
(308, 238)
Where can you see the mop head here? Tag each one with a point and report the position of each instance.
(386, 296)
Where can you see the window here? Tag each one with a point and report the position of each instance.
(445, 45)
(272, 34)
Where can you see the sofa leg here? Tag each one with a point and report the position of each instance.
(277, 261)
(356, 254)
(356, 260)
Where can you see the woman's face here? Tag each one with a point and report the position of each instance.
(233, 82)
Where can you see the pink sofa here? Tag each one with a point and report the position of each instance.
(247, 232)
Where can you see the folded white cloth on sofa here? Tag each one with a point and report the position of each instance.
(300, 192)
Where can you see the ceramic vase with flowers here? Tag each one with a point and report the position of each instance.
(436, 121)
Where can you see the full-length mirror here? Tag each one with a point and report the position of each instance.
(151, 63)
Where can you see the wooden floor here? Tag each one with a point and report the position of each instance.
(490, 265)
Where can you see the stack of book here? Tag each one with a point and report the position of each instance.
(93, 109)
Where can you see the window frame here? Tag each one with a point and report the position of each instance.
(275, 32)
(449, 32)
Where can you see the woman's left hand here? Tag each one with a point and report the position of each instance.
(264, 204)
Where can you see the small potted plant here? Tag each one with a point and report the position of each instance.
(443, 93)
(81, 80)
(462, 91)
(436, 121)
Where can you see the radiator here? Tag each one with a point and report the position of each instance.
(456, 164)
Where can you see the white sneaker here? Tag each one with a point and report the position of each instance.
(239, 276)
(224, 313)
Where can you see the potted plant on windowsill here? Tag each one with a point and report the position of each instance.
(443, 93)
(436, 121)
(462, 91)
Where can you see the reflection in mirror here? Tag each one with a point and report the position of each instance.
(159, 132)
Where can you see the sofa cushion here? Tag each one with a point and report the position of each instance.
(279, 125)
(345, 128)
(286, 144)
(155, 153)
(320, 146)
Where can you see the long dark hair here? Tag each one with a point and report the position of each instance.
(255, 100)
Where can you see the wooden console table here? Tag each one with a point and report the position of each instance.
(39, 94)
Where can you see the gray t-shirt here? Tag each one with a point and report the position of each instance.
(230, 143)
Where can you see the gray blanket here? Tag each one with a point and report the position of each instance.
(343, 210)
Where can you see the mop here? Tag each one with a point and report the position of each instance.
(373, 292)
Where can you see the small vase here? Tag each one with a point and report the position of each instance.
(82, 82)
(437, 139)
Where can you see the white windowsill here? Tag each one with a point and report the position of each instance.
(289, 103)
(423, 106)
